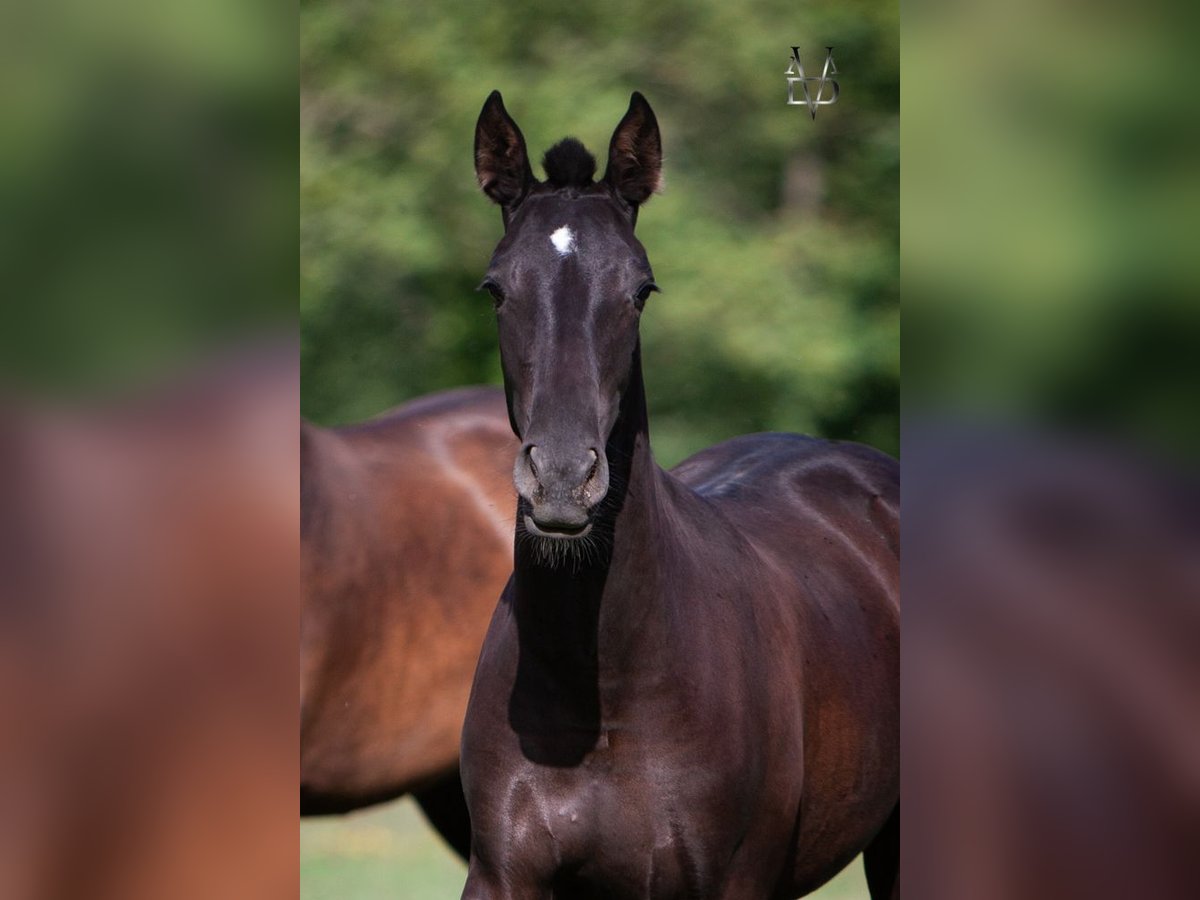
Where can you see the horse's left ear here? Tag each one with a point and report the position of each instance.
(635, 154)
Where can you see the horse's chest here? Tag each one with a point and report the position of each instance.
(628, 826)
(616, 844)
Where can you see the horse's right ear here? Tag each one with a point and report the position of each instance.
(501, 162)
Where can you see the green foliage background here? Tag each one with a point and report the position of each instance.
(776, 241)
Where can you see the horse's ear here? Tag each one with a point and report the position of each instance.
(635, 154)
(501, 162)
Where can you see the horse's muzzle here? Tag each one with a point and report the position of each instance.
(561, 487)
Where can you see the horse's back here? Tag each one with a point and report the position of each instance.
(459, 435)
(824, 513)
(376, 495)
(467, 407)
(779, 479)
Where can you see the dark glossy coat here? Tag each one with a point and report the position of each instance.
(690, 687)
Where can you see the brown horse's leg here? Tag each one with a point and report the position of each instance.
(881, 860)
(444, 807)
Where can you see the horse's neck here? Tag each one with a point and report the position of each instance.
(606, 603)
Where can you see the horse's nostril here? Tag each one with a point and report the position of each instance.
(532, 462)
(595, 463)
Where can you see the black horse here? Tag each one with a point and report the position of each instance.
(690, 687)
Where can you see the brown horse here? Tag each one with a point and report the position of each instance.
(406, 541)
(690, 687)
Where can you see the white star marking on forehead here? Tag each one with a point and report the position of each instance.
(563, 240)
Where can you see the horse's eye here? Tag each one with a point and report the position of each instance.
(643, 292)
(494, 289)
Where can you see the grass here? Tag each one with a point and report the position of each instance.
(389, 853)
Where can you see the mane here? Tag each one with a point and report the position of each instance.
(569, 164)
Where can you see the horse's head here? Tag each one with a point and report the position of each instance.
(569, 280)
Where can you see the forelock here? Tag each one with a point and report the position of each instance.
(569, 164)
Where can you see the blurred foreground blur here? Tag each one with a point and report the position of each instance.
(149, 576)
(1051, 674)
(1051, 199)
(1051, 679)
(149, 507)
